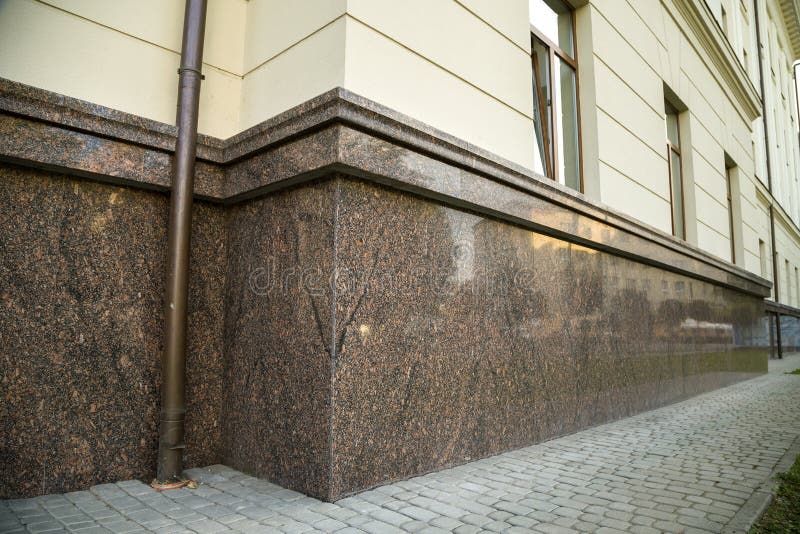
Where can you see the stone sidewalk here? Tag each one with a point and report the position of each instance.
(702, 465)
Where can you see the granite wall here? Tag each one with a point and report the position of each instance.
(278, 337)
(374, 335)
(461, 336)
(82, 274)
(370, 299)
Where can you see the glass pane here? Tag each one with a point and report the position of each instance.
(729, 177)
(568, 159)
(677, 195)
(542, 112)
(538, 128)
(673, 133)
(554, 20)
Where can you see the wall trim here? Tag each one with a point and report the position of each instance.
(791, 14)
(703, 26)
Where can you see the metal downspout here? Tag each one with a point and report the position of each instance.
(173, 360)
(796, 97)
(769, 172)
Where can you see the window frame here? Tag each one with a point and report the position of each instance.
(677, 150)
(555, 51)
(729, 169)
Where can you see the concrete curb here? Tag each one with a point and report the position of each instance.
(752, 509)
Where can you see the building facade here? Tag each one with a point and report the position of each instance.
(424, 231)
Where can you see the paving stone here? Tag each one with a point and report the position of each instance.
(700, 523)
(123, 526)
(411, 526)
(379, 527)
(521, 521)
(45, 526)
(497, 526)
(549, 528)
(669, 526)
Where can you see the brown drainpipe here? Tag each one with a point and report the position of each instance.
(769, 175)
(173, 360)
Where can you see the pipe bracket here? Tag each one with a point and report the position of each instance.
(192, 69)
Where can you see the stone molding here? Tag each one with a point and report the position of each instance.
(336, 132)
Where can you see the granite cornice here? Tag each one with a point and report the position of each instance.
(783, 309)
(39, 104)
(57, 147)
(336, 132)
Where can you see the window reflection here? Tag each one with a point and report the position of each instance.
(553, 19)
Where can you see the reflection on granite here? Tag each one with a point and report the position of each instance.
(81, 329)
(563, 215)
(277, 335)
(790, 332)
(459, 336)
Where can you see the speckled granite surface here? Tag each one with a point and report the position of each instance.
(442, 306)
(461, 336)
(277, 334)
(82, 270)
(373, 335)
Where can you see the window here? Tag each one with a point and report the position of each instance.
(724, 17)
(733, 215)
(555, 92)
(787, 293)
(730, 216)
(675, 171)
(797, 287)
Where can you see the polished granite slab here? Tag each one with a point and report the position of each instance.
(278, 309)
(379, 335)
(371, 299)
(82, 270)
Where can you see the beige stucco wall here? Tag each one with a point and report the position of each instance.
(124, 54)
(631, 50)
(293, 52)
(781, 110)
(439, 62)
(635, 51)
(784, 152)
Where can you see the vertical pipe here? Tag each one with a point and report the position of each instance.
(796, 82)
(771, 322)
(759, 47)
(173, 360)
(769, 169)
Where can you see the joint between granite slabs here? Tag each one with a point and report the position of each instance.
(761, 498)
(332, 355)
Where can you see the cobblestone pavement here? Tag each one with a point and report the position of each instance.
(688, 467)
